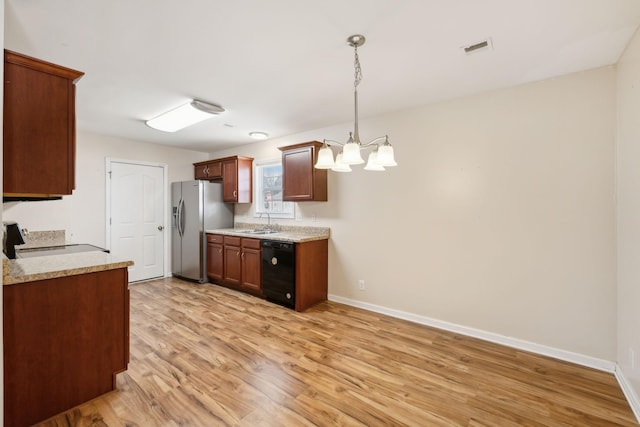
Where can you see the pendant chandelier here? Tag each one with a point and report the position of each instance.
(350, 153)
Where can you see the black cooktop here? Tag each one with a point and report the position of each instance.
(56, 250)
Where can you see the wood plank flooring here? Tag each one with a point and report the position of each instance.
(203, 355)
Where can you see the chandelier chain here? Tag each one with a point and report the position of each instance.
(358, 68)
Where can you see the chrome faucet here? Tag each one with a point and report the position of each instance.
(268, 219)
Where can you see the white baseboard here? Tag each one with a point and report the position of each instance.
(629, 393)
(568, 356)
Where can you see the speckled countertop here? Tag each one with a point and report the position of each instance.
(48, 267)
(296, 234)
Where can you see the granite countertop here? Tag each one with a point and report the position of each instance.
(48, 267)
(295, 234)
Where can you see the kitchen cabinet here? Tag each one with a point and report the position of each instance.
(301, 181)
(209, 170)
(251, 265)
(237, 175)
(215, 257)
(312, 273)
(39, 127)
(235, 262)
(65, 339)
(232, 261)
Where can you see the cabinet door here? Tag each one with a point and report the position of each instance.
(215, 262)
(297, 180)
(214, 170)
(251, 266)
(232, 265)
(301, 181)
(201, 171)
(39, 127)
(230, 180)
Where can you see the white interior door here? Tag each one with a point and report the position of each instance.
(136, 220)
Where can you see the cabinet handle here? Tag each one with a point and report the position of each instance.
(220, 251)
(235, 193)
(242, 256)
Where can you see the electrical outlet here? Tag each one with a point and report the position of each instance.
(313, 217)
(361, 284)
(632, 358)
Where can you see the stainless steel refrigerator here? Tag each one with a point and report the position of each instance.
(196, 206)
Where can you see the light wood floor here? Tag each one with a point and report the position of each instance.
(203, 355)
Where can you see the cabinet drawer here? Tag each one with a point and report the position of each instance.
(232, 241)
(214, 238)
(251, 243)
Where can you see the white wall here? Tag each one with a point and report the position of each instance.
(499, 217)
(82, 214)
(628, 188)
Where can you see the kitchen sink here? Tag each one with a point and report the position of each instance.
(258, 231)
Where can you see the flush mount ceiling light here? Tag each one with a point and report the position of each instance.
(381, 156)
(185, 115)
(259, 135)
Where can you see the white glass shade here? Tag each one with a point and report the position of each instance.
(183, 116)
(385, 155)
(372, 163)
(340, 166)
(351, 154)
(325, 158)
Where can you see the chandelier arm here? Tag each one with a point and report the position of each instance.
(373, 141)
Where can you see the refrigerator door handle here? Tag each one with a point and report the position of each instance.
(181, 217)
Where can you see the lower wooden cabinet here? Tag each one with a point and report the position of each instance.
(235, 262)
(65, 339)
(215, 257)
(251, 258)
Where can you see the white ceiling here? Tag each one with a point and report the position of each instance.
(283, 66)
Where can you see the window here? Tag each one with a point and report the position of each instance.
(268, 190)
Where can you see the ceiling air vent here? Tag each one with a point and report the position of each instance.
(478, 47)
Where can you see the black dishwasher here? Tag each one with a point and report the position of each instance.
(279, 272)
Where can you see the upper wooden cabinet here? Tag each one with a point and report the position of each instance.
(301, 181)
(210, 169)
(236, 173)
(39, 127)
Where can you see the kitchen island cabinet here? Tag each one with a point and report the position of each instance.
(39, 127)
(65, 339)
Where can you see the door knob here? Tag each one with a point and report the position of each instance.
(160, 228)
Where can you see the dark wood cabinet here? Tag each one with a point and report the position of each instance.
(232, 261)
(251, 266)
(236, 173)
(65, 339)
(235, 262)
(301, 181)
(312, 273)
(39, 127)
(215, 257)
(209, 170)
